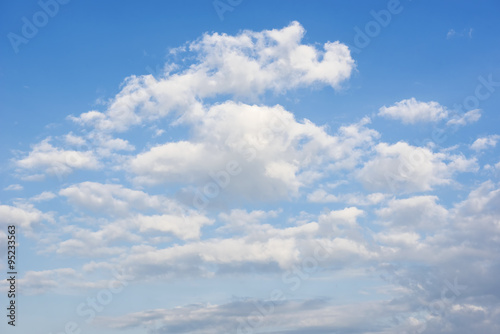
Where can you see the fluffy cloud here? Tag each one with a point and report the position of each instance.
(414, 212)
(23, 215)
(322, 196)
(74, 140)
(481, 206)
(245, 65)
(56, 161)
(405, 168)
(126, 210)
(250, 153)
(423, 242)
(183, 227)
(245, 240)
(485, 142)
(275, 154)
(114, 199)
(411, 111)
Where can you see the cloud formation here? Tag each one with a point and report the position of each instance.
(291, 200)
(411, 111)
(244, 66)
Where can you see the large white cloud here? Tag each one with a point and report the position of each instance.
(414, 212)
(245, 65)
(405, 168)
(273, 154)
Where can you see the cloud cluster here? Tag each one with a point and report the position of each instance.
(245, 65)
(373, 206)
(405, 168)
(274, 154)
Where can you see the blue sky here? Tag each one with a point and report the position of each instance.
(252, 166)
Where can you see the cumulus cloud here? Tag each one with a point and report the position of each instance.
(419, 233)
(56, 161)
(243, 240)
(245, 65)
(420, 243)
(411, 111)
(405, 168)
(23, 215)
(275, 154)
(322, 196)
(414, 212)
(74, 140)
(114, 199)
(183, 227)
(127, 214)
(485, 142)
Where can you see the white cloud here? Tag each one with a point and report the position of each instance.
(482, 201)
(485, 142)
(414, 212)
(183, 227)
(61, 280)
(405, 168)
(73, 140)
(411, 111)
(347, 216)
(115, 199)
(275, 154)
(400, 239)
(128, 219)
(13, 187)
(36, 282)
(245, 65)
(23, 215)
(263, 315)
(467, 118)
(321, 196)
(249, 240)
(44, 196)
(49, 159)
(420, 241)
(198, 258)
(239, 220)
(106, 144)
